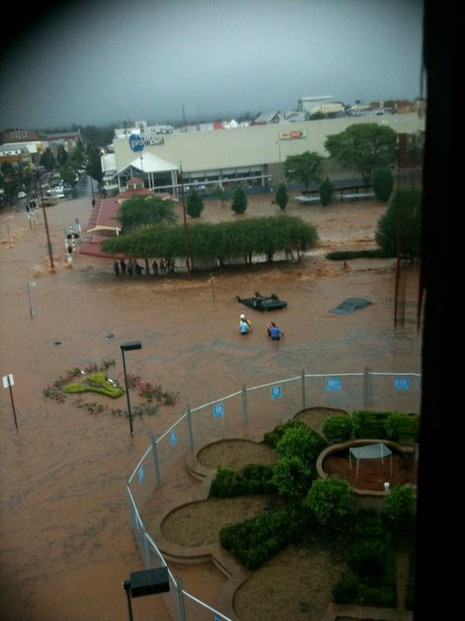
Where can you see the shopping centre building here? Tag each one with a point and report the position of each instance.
(220, 157)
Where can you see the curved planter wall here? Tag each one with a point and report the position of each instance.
(365, 499)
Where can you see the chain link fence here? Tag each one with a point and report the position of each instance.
(256, 409)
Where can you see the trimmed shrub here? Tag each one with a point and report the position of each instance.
(368, 559)
(331, 501)
(255, 541)
(369, 423)
(302, 442)
(271, 438)
(368, 525)
(252, 479)
(402, 427)
(382, 181)
(194, 204)
(326, 192)
(400, 507)
(337, 428)
(346, 589)
(292, 477)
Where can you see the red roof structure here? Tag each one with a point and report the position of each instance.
(104, 223)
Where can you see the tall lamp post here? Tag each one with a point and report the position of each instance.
(92, 190)
(146, 582)
(30, 284)
(129, 346)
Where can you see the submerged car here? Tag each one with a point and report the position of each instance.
(262, 302)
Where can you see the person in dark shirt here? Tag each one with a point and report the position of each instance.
(274, 332)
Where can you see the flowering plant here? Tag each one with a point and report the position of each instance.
(153, 394)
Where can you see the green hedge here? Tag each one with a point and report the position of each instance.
(241, 239)
(252, 479)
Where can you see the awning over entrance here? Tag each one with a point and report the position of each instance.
(148, 163)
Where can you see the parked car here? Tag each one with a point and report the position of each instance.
(58, 191)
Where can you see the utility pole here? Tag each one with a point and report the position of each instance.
(186, 235)
(49, 243)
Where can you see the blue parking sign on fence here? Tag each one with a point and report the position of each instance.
(173, 438)
(402, 383)
(276, 392)
(218, 410)
(141, 473)
(333, 383)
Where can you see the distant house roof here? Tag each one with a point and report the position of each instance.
(295, 116)
(232, 124)
(74, 136)
(20, 135)
(265, 118)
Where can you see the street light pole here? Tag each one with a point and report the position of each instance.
(92, 189)
(129, 346)
(127, 588)
(31, 307)
(146, 582)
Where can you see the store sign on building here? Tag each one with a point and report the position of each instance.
(292, 135)
(137, 142)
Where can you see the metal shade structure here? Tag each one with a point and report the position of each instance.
(370, 451)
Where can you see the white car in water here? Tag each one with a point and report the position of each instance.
(58, 192)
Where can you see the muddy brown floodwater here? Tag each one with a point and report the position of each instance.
(65, 539)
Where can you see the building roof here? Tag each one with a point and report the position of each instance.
(108, 163)
(148, 163)
(104, 223)
(264, 118)
(20, 135)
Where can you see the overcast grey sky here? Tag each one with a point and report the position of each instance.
(99, 62)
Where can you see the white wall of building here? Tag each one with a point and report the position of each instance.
(219, 150)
